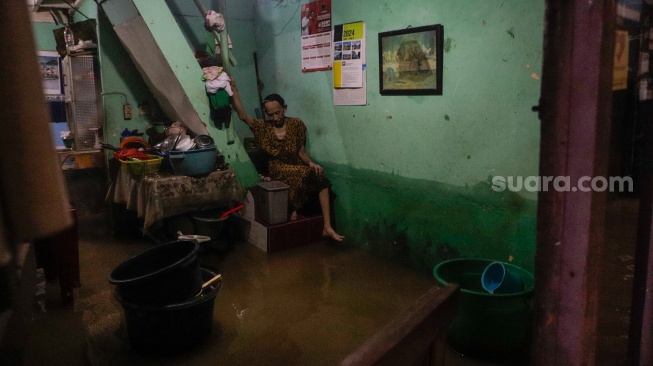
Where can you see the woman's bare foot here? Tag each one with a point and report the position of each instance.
(293, 216)
(328, 232)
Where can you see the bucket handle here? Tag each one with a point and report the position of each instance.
(209, 282)
(231, 211)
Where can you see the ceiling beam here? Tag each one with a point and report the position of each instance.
(44, 5)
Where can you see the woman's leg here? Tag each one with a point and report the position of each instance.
(326, 214)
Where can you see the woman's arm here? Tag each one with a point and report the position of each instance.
(307, 159)
(238, 106)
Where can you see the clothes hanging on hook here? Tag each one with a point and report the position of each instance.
(215, 22)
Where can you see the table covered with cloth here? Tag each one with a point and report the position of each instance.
(159, 196)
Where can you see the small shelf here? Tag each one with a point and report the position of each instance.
(67, 151)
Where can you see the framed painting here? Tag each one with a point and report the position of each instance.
(410, 61)
(50, 66)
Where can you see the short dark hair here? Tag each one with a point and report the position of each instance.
(275, 98)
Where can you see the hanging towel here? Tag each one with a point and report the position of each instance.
(222, 82)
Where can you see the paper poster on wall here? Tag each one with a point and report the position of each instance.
(316, 36)
(349, 74)
(50, 65)
(351, 96)
(620, 65)
(348, 55)
(316, 52)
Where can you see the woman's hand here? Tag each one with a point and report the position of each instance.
(303, 155)
(316, 167)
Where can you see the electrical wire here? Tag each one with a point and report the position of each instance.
(57, 19)
(75, 9)
(116, 93)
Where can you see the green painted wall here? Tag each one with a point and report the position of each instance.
(44, 37)
(412, 172)
(121, 84)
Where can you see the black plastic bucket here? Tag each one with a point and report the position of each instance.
(166, 274)
(171, 328)
(208, 222)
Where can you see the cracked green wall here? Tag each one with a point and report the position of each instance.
(420, 222)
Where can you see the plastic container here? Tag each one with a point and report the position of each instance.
(488, 326)
(134, 142)
(84, 161)
(171, 328)
(165, 274)
(272, 202)
(193, 162)
(208, 222)
(68, 143)
(142, 167)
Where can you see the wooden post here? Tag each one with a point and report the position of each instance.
(575, 111)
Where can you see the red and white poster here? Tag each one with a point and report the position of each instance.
(316, 36)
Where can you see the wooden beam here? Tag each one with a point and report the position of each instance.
(414, 335)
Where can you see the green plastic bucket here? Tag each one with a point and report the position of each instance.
(488, 326)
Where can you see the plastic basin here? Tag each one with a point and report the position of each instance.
(193, 162)
(165, 274)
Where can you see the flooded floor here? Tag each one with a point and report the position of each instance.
(310, 305)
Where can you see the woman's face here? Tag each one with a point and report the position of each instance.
(276, 113)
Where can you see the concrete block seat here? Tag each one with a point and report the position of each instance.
(270, 238)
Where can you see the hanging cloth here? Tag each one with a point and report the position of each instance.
(222, 82)
(218, 89)
(219, 43)
(214, 23)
